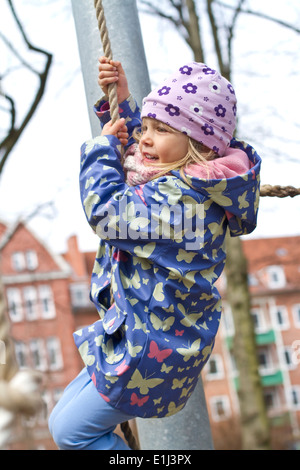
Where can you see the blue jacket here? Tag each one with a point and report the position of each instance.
(161, 250)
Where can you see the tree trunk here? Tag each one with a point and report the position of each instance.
(254, 420)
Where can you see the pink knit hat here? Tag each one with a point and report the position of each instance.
(198, 101)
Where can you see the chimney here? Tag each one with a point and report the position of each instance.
(75, 258)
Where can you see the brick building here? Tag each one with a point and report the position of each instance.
(48, 299)
(274, 279)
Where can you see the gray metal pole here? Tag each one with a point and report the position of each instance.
(189, 429)
(126, 43)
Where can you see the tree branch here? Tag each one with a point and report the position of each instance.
(14, 134)
(264, 16)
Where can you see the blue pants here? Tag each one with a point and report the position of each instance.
(83, 420)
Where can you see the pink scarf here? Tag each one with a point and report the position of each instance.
(136, 172)
(234, 162)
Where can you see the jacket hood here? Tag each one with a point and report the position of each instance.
(232, 182)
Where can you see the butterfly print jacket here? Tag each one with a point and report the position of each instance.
(162, 247)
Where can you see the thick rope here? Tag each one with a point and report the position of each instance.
(112, 89)
(114, 113)
(126, 429)
(279, 191)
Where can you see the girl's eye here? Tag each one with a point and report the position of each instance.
(162, 129)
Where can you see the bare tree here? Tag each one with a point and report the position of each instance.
(188, 17)
(8, 104)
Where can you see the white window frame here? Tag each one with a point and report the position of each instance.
(31, 260)
(46, 300)
(21, 351)
(37, 349)
(260, 325)
(219, 373)
(30, 302)
(269, 367)
(286, 354)
(284, 313)
(278, 271)
(55, 359)
(296, 315)
(273, 393)
(294, 390)
(14, 303)
(227, 321)
(225, 403)
(80, 295)
(18, 261)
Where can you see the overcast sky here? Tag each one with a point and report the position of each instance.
(44, 165)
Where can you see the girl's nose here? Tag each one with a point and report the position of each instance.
(146, 138)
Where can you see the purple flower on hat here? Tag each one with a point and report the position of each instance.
(234, 109)
(220, 111)
(186, 70)
(190, 88)
(165, 90)
(214, 87)
(208, 71)
(207, 129)
(197, 109)
(151, 115)
(230, 88)
(172, 110)
(186, 131)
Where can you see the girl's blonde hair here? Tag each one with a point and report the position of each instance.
(197, 154)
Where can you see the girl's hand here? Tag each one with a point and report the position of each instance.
(118, 129)
(111, 71)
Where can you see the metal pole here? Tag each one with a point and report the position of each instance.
(189, 429)
(126, 43)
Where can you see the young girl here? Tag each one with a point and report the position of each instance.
(162, 221)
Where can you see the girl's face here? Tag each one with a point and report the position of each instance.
(160, 144)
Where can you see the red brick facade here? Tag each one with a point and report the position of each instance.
(48, 299)
(274, 279)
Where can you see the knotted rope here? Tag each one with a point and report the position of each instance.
(114, 113)
(279, 191)
(112, 88)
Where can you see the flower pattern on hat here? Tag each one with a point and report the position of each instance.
(198, 101)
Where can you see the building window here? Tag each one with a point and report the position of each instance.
(80, 295)
(296, 315)
(46, 302)
(31, 260)
(38, 354)
(30, 302)
(265, 361)
(280, 317)
(18, 261)
(220, 408)
(14, 304)
(276, 277)
(214, 368)
(258, 320)
(54, 353)
(21, 354)
(287, 357)
(272, 399)
(295, 397)
(227, 320)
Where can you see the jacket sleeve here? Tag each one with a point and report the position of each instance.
(126, 217)
(128, 109)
